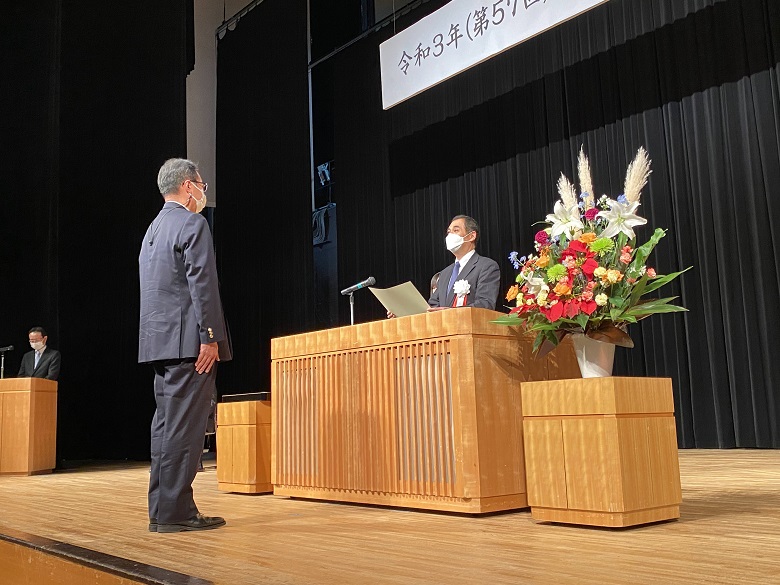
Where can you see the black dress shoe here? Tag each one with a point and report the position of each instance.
(197, 522)
(152, 524)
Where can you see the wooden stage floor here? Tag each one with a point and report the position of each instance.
(729, 532)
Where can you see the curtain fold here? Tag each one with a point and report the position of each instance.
(262, 225)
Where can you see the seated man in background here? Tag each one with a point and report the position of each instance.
(42, 361)
(472, 280)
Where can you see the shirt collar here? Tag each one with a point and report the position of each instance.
(466, 257)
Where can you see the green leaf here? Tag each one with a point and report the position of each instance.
(507, 320)
(660, 309)
(582, 320)
(537, 342)
(618, 302)
(658, 282)
(638, 290)
(655, 306)
(641, 253)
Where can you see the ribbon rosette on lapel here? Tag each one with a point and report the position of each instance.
(461, 288)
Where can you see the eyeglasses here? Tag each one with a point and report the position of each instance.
(205, 185)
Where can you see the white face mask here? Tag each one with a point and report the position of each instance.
(454, 242)
(199, 203)
(36, 345)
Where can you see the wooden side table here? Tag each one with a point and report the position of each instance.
(244, 447)
(601, 451)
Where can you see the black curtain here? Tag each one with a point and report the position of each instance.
(262, 224)
(696, 83)
(29, 159)
(93, 105)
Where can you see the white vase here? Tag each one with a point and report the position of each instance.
(594, 357)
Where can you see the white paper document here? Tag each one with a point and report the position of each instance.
(401, 300)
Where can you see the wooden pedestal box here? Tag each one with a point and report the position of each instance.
(601, 451)
(28, 425)
(244, 447)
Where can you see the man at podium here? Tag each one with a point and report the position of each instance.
(42, 361)
(472, 280)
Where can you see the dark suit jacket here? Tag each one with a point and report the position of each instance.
(48, 365)
(180, 301)
(484, 279)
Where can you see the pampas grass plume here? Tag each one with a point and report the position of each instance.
(586, 181)
(567, 192)
(637, 175)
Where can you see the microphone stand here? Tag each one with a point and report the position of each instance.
(351, 309)
(2, 359)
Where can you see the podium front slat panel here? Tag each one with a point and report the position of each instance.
(421, 411)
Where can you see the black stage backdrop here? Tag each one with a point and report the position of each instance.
(695, 82)
(262, 225)
(92, 104)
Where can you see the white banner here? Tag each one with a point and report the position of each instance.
(462, 34)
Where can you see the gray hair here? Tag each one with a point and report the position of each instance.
(173, 173)
(470, 223)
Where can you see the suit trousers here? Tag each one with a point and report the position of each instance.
(183, 400)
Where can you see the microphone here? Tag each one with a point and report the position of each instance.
(6, 348)
(370, 281)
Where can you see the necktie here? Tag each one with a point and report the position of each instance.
(37, 357)
(455, 271)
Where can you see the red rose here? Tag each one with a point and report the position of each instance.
(588, 267)
(590, 214)
(577, 246)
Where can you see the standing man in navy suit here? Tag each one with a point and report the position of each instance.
(42, 361)
(472, 280)
(183, 335)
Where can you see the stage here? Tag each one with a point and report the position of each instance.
(727, 533)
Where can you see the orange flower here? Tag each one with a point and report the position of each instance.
(588, 238)
(542, 261)
(512, 293)
(562, 288)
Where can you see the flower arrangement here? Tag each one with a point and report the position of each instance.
(587, 274)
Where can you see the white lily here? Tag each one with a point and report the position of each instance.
(564, 219)
(534, 283)
(622, 218)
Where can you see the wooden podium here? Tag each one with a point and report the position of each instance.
(421, 411)
(601, 451)
(244, 447)
(28, 426)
